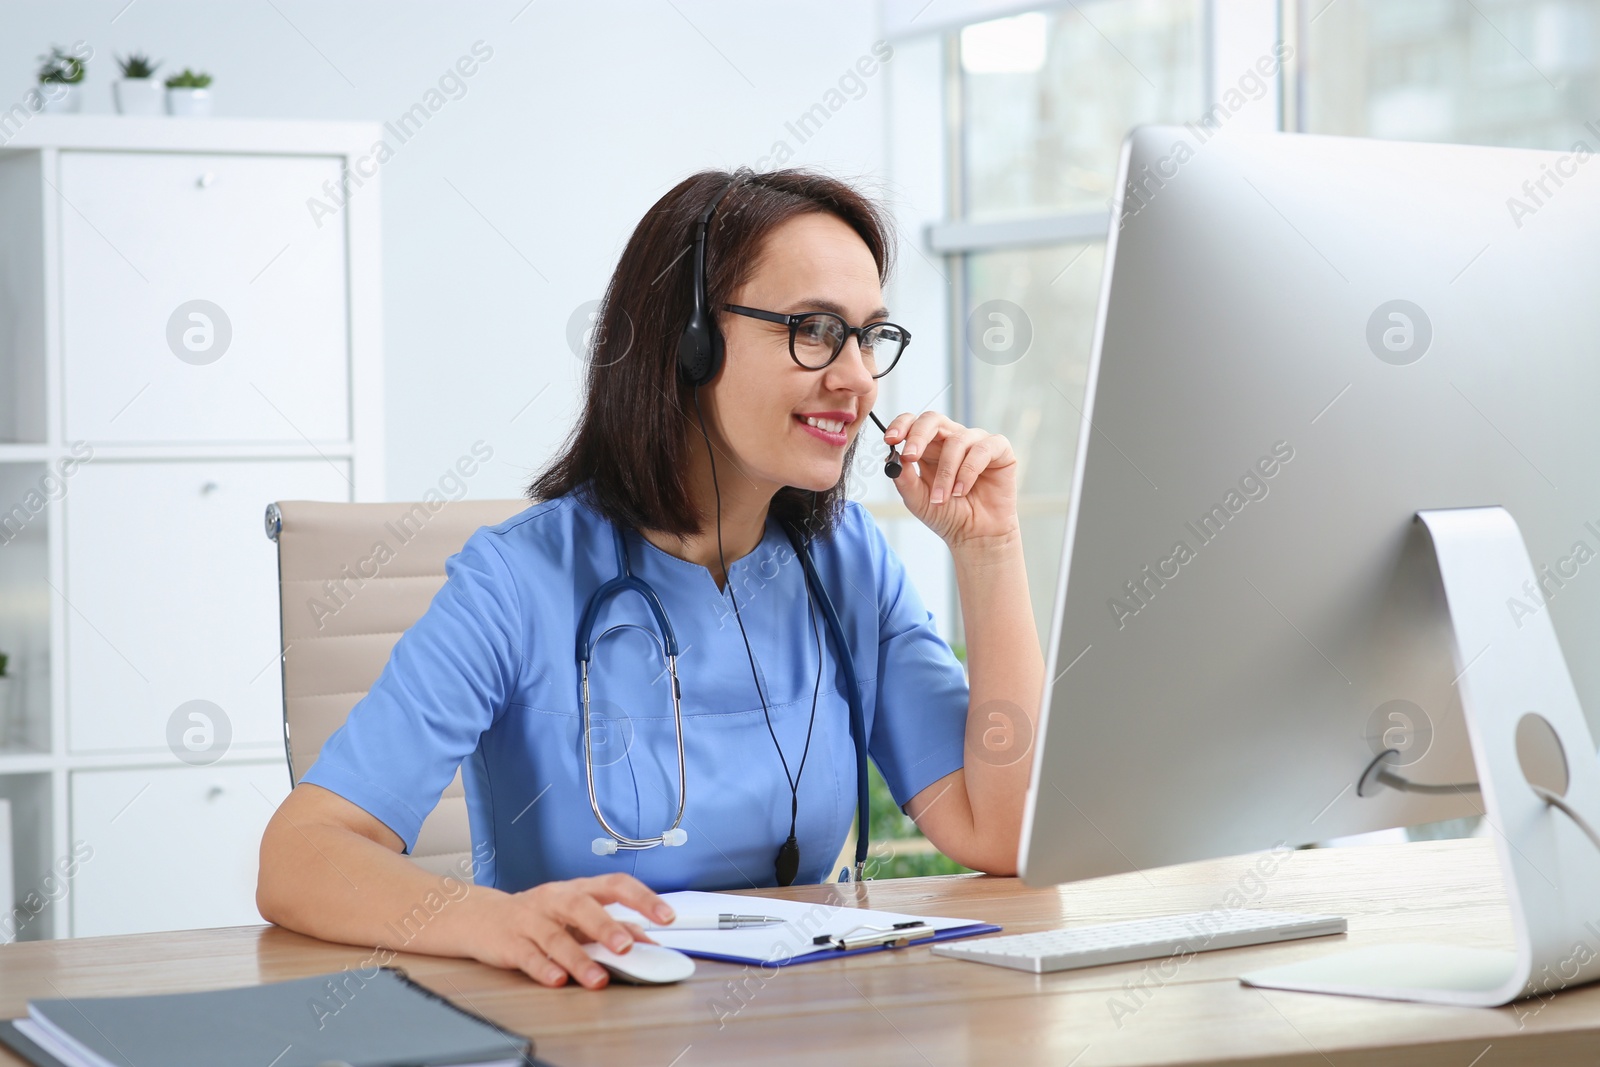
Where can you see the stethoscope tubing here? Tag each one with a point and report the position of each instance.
(626, 581)
(633, 843)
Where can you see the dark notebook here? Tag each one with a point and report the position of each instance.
(346, 1017)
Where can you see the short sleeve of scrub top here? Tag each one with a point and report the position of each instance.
(486, 680)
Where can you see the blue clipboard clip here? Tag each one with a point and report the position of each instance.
(897, 936)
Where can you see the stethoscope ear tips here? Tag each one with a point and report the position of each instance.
(607, 846)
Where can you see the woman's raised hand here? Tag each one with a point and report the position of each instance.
(965, 487)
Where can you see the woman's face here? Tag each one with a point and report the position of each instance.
(761, 402)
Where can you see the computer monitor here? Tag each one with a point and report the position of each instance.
(1303, 341)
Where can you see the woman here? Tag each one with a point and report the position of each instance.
(703, 486)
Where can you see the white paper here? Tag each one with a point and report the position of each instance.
(770, 944)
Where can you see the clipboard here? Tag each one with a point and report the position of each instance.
(829, 953)
(843, 931)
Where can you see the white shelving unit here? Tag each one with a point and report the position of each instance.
(190, 328)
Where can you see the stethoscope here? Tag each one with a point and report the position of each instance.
(667, 642)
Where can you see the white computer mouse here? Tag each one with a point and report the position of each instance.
(643, 964)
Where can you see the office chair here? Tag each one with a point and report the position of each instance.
(340, 613)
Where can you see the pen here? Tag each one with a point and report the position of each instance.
(723, 921)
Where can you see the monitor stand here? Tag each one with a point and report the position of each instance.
(1540, 784)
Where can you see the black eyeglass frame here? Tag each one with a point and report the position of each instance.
(848, 331)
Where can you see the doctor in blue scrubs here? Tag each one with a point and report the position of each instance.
(707, 476)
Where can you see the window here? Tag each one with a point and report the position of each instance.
(1045, 100)
(1031, 388)
(1034, 112)
(1498, 72)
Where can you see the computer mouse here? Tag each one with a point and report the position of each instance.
(643, 964)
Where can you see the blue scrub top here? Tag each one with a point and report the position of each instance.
(488, 676)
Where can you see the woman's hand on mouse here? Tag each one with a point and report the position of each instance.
(539, 931)
(964, 487)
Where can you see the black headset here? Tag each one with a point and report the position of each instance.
(700, 347)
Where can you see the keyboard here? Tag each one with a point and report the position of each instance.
(1142, 939)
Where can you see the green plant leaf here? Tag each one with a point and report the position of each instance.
(189, 79)
(137, 65)
(60, 67)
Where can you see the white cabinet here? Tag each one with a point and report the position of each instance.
(197, 617)
(172, 848)
(183, 340)
(200, 299)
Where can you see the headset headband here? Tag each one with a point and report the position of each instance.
(700, 347)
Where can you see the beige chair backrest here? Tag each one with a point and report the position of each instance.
(351, 579)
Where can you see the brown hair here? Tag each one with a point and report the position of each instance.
(628, 453)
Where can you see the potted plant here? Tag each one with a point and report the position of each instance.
(59, 75)
(189, 94)
(136, 92)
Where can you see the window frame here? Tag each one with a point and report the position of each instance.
(1234, 33)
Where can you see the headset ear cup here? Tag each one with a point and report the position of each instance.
(694, 352)
(699, 352)
(714, 351)
(688, 355)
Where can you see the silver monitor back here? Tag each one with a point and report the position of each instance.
(1302, 341)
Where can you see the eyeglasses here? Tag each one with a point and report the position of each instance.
(817, 337)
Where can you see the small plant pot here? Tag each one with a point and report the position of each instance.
(189, 103)
(137, 96)
(59, 98)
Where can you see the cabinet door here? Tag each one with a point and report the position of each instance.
(201, 301)
(172, 596)
(173, 848)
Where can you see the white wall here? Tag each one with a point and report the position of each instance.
(506, 212)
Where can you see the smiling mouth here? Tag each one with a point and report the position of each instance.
(829, 430)
(830, 425)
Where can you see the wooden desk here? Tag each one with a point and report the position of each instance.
(909, 1007)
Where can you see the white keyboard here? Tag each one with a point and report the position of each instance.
(1141, 939)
